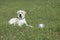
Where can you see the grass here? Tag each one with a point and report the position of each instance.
(38, 11)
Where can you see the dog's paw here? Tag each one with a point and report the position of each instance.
(30, 26)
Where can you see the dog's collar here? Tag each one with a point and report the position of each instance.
(20, 18)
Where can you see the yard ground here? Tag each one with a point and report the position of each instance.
(38, 11)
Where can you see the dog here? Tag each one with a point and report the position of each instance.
(20, 19)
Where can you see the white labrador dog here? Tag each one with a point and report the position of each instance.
(20, 20)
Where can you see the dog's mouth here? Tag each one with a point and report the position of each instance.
(20, 16)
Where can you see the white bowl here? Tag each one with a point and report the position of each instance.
(41, 25)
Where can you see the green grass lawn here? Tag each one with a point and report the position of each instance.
(38, 11)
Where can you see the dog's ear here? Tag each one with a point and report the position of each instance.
(25, 12)
(17, 12)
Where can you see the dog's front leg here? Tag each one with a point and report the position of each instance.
(27, 24)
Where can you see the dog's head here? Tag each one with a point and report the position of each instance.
(21, 14)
